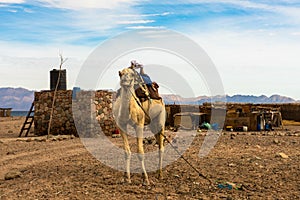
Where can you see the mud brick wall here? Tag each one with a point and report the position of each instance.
(290, 111)
(91, 108)
(171, 110)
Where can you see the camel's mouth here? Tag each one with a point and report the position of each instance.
(125, 82)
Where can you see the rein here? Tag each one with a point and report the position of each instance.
(140, 105)
(141, 84)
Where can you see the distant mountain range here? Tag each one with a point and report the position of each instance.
(21, 99)
(16, 98)
(171, 99)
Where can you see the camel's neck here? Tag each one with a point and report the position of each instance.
(126, 94)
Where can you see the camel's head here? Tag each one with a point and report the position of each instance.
(127, 77)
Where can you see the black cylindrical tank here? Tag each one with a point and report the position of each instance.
(54, 78)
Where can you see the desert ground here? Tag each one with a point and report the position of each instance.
(242, 165)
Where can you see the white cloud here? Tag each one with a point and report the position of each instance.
(147, 15)
(287, 10)
(12, 1)
(87, 4)
(12, 11)
(145, 27)
(27, 10)
(136, 22)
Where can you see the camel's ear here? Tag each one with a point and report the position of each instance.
(120, 74)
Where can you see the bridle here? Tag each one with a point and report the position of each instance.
(140, 83)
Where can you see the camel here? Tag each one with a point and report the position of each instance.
(128, 110)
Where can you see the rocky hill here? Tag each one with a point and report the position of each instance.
(16, 98)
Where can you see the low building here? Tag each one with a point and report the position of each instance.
(70, 109)
(5, 112)
(241, 117)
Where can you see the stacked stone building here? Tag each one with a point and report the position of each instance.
(83, 113)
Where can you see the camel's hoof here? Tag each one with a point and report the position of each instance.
(126, 181)
(146, 183)
(160, 176)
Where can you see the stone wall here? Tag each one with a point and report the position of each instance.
(62, 121)
(103, 106)
(90, 108)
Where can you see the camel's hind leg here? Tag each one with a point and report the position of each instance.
(139, 132)
(157, 127)
(160, 140)
(127, 154)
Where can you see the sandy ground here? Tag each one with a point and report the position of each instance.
(241, 166)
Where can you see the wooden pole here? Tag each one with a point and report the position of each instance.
(62, 61)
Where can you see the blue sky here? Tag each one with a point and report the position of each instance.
(254, 44)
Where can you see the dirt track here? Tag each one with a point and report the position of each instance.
(64, 169)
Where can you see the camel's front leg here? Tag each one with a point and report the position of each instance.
(160, 140)
(127, 154)
(139, 132)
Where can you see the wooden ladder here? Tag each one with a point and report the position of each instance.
(28, 121)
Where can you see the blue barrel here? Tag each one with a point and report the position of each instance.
(74, 92)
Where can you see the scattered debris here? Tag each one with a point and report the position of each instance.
(176, 176)
(230, 186)
(116, 134)
(44, 138)
(276, 141)
(225, 186)
(196, 183)
(183, 189)
(257, 158)
(231, 165)
(40, 139)
(282, 155)
(232, 135)
(10, 153)
(12, 175)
